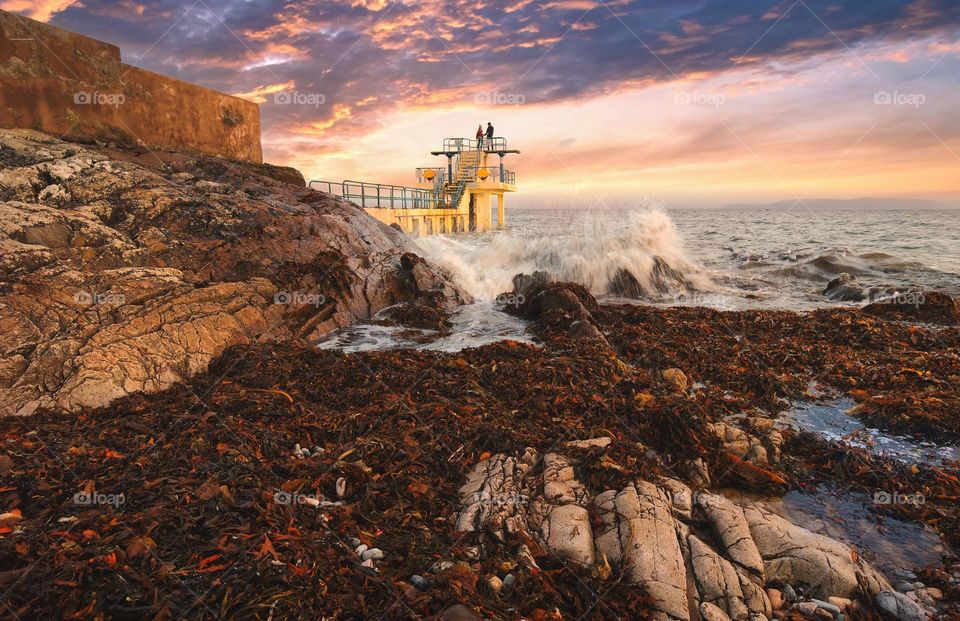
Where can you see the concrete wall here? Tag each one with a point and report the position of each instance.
(76, 87)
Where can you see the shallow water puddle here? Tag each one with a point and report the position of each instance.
(831, 421)
(889, 544)
(473, 325)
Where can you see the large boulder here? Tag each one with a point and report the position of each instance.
(124, 271)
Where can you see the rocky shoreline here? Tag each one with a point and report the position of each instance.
(183, 451)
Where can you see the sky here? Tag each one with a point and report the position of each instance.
(679, 102)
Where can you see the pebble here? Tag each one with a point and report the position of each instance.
(305, 452)
(296, 448)
(789, 594)
(807, 608)
(355, 542)
(832, 609)
(375, 554)
(341, 487)
(903, 587)
(440, 566)
(495, 584)
(317, 450)
(840, 602)
(776, 598)
(509, 580)
(420, 582)
(935, 593)
(368, 564)
(360, 549)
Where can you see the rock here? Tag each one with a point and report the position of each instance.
(495, 584)
(922, 306)
(776, 598)
(375, 554)
(509, 580)
(807, 608)
(832, 609)
(841, 603)
(739, 443)
(129, 273)
(699, 473)
(903, 587)
(899, 606)
(731, 527)
(420, 582)
(935, 593)
(681, 497)
(588, 444)
(789, 593)
(677, 379)
(556, 309)
(794, 555)
(632, 518)
(844, 288)
(716, 579)
(360, 549)
(561, 515)
(709, 612)
(459, 612)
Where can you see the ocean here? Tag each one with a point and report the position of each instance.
(735, 258)
(729, 258)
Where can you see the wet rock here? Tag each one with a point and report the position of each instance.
(794, 555)
(555, 308)
(844, 288)
(899, 606)
(922, 306)
(740, 443)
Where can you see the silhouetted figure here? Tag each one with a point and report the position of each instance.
(489, 135)
(480, 136)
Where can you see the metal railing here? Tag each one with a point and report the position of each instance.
(436, 175)
(382, 195)
(474, 174)
(497, 143)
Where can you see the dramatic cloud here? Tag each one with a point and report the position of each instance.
(340, 79)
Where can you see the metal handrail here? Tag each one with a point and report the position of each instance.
(381, 195)
(493, 174)
(458, 145)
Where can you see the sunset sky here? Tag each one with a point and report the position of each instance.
(687, 102)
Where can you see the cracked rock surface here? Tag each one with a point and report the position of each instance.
(695, 554)
(123, 272)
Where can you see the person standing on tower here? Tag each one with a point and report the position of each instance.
(489, 135)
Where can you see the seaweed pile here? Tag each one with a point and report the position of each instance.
(287, 482)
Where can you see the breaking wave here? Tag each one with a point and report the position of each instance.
(642, 257)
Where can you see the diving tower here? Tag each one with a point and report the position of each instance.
(455, 198)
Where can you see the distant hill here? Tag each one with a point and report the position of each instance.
(845, 203)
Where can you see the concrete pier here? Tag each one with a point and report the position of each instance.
(455, 198)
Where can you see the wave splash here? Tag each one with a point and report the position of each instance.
(644, 259)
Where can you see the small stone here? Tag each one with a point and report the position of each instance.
(440, 566)
(341, 487)
(899, 606)
(360, 549)
(420, 582)
(789, 594)
(903, 587)
(807, 608)
(711, 612)
(832, 610)
(935, 593)
(296, 448)
(677, 379)
(368, 564)
(918, 585)
(776, 598)
(495, 584)
(317, 450)
(375, 554)
(840, 602)
(355, 542)
(305, 452)
(509, 580)
(459, 613)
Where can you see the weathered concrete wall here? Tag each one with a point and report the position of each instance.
(73, 86)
